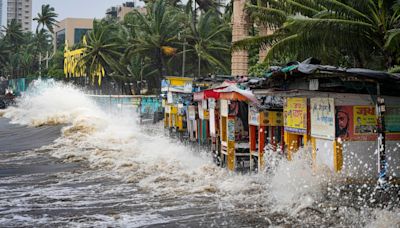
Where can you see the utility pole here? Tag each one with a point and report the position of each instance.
(40, 64)
(47, 59)
(381, 130)
(199, 65)
(184, 57)
(141, 76)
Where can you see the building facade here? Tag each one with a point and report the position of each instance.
(72, 30)
(21, 11)
(119, 12)
(1, 13)
(240, 27)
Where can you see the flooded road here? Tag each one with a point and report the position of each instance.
(64, 161)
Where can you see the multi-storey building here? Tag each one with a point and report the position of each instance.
(1, 13)
(21, 11)
(72, 30)
(119, 12)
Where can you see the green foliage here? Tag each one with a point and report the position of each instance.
(143, 47)
(339, 32)
(46, 18)
(209, 40)
(104, 47)
(259, 69)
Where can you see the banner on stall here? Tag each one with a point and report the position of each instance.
(254, 116)
(170, 98)
(364, 119)
(224, 108)
(322, 118)
(271, 118)
(204, 104)
(212, 123)
(392, 119)
(192, 112)
(167, 109)
(295, 115)
(231, 130)
(211, 103)
(201, 111)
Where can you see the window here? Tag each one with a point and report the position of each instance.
(79, 33)
(60, 37)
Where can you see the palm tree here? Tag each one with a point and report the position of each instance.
(139, 70)
(14, 34)
(46, 18)
(209, 39)
(4, 53)
(103, 48)
(330, 29)
(154, 34)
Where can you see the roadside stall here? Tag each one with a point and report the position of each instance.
(234, 128)
(349, 117)
(265, 129)
(178, 92)
(209, 118)
(149, 109)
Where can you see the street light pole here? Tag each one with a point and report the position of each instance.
(381, 130)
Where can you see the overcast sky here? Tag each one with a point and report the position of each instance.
(73, 8)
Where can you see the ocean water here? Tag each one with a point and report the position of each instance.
(67, 161)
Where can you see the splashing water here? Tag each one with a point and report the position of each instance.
(49, 102)
(285, 193)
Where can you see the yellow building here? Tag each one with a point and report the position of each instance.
(72, 30)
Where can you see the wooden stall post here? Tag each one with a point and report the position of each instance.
(261, 145)
(231, 158)
(253, 143)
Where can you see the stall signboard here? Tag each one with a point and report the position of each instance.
(212, 123)
(192, 112)
(181, 109)
(188, 87)
(254, 116)
(170, 98)
(271, 118)
(211, 103)
(176, 84)
(364, 119)
(231, 130)
(204, 104)
(224, 108)
(167, 109)
(392, 119)
(358, 123)
(322, 118)
(201, 111)
(206, 115)
(295, 115)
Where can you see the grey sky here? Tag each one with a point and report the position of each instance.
(77, 8)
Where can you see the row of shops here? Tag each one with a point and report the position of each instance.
(342, 115)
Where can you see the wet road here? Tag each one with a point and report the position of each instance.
(39, 189)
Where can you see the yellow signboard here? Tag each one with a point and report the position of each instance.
(271, 118)
(364, 119)
(295, 115)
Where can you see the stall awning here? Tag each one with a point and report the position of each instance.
(236, 94)
(205, 94)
